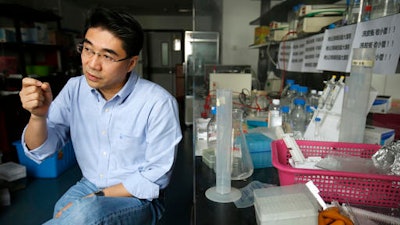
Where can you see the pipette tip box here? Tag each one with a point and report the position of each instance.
(260, 149)
(285, 205)
(11, 171)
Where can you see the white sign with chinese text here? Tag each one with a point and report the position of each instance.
(312, 50)
(383, 34)
(336, 48)
(297, 56)
(284, 53)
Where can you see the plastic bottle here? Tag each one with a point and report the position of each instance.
(286, 119)
(274, 114)
(293, 20)
(298, 118)
(212, 129)
(313, 98)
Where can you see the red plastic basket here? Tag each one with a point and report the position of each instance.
(345, 187)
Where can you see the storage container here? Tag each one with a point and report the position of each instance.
(51, 167)
(260, 149)
(345, 187)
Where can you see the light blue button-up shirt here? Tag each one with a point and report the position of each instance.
(131, 139)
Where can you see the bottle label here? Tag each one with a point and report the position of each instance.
(274, 118)
(360, 62)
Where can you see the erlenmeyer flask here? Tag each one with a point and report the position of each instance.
(242, 165)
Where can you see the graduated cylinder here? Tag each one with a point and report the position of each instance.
(356, 96)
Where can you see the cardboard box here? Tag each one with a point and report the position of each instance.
(315, 24)
(279, 35)
(382, 104)
(261, 35)
(378, 135)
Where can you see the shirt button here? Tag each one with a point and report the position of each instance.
(103, 132)
(107, 109)
(101, 176)
(104, 153)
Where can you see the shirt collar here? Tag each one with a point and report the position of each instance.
(125, 91)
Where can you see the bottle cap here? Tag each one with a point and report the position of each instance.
(285, 108)
(294, 87)
(299, 101)
(303, 89)
(289, 81)
(276, 101)
(213, 110)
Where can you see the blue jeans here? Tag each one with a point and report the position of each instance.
(104, 210)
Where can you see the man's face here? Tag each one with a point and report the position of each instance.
(104, 62)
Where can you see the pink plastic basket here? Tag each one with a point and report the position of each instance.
(345, 187)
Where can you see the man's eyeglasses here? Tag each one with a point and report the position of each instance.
(87, 52)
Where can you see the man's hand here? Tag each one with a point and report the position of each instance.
(36, 96)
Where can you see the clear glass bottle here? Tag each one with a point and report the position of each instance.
(309, 114)
(291, 95)
(274, 114)
(285, 90)
(286, 119)
(302, 93)
(242, 164)
(212, 130)
(381, 8)
(367, 12)
(354, 12)
(298, 118)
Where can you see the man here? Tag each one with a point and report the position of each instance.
(124, 129)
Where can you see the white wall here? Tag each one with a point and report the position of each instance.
(238, 34)
(387, 84)
(165, 22)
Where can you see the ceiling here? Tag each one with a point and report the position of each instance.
(145, 7)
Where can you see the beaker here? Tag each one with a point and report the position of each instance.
(242, 164)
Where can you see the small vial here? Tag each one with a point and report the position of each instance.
(317, 121)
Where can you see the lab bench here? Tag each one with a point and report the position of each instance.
(208, 212)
